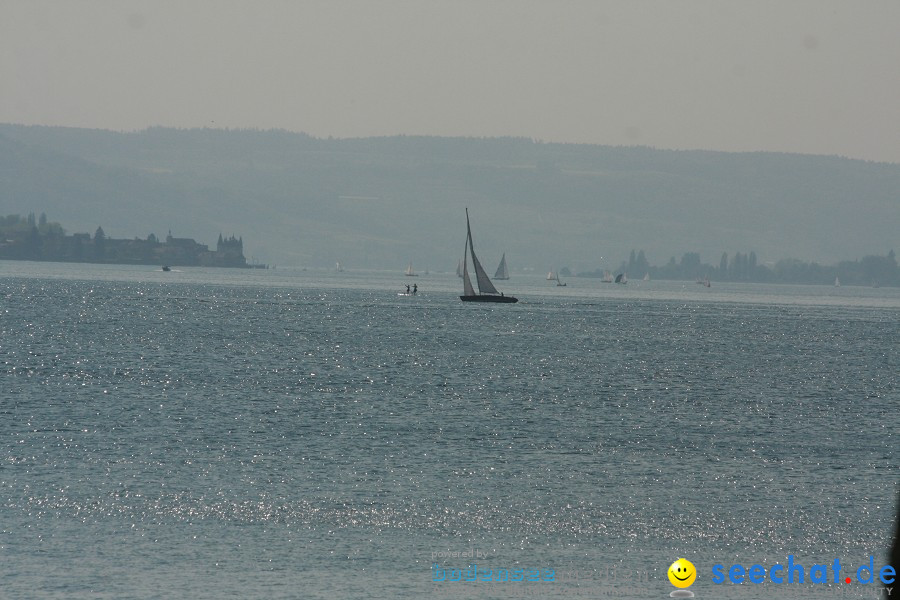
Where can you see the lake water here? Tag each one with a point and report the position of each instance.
(310, 434)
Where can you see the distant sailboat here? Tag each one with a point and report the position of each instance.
(622, 278)
(339, 267)
(607, 277)
(486, 290)
(646, 276)
(502, 271)
(410, 272)
(837, 282)
(554, 276)
(459, 268)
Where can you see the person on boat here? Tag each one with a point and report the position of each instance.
(415, 288)
(407, 289)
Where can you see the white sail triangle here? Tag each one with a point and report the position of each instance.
(502, 271)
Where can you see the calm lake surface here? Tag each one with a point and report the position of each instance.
(309, 434)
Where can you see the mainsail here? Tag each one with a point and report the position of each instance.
(481, 278)
(468, 290)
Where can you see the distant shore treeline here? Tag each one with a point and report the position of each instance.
(870, 270)
(36, 238)
(31, 238)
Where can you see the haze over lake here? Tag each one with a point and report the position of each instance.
(314, 431)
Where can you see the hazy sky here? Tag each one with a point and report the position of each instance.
(816, 76)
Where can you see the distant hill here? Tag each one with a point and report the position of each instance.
(381, 202)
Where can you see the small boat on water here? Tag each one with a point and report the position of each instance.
(486, 290)
(622, 278)
(409, 271)
(502, 271)
(555, 277)
(166, 268)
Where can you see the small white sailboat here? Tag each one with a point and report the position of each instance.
(409, 271)
(837, 282)
(502, 271)
(646, 276)
(607, 277)
(459, 268)
(551, 275)
(339, 267)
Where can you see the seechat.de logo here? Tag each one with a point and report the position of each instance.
(794, 572)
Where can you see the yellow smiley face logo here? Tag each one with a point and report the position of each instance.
(682, 573)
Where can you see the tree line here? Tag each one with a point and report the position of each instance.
(870, 270)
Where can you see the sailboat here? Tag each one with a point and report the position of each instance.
(837, 282)
(459, 268)
(558, 282)
(554, 276)
(607, 277)
(622, 278)
(410, 272)
(502, 271)
(486, 290)
(339, 267)
(646, 276)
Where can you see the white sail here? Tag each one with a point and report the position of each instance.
(459, 265)
(837, 282)
(502, 271)
(409, 270)
(551, 275)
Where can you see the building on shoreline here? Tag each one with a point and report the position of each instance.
(25, 240)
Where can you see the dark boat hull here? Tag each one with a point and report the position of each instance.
(489, 298)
